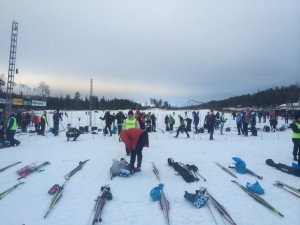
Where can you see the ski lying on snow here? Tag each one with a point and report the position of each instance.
(36, 169)
(70, 174)
(225, 169)
(288, 188)
(100, 201)
(218, 206)
(258, 198)
(57, 195)
(3, 194)
(5, 168)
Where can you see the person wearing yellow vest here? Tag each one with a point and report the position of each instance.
(44, 121)
(130, 122)
(296, 137)
(11, 130)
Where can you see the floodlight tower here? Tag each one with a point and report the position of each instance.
(91, 99)
(12, 66)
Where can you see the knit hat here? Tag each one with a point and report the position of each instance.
(130, 112)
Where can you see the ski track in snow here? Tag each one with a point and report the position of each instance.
(131, 203)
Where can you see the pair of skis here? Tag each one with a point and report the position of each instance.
(258, 198)
(288, 188)
(25, 171)
(100, 202)
(218, 206)
(70, 174)
(57, 195)
(57, 190)
(233, 175)
(163, 201)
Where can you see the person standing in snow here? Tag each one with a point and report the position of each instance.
(108, 122)
(196, 121)
(205, 123)
(135, 140)
(120, 120)
(211, 120)
(56, 119)
(295, 126)
(171, 122)
(245, 123)
(167, 122)
(222, 122)
(182, 127)
(239, 123)
(11, 130)
(253, 123)
(153, 121)
(44, 121)
(129, 123)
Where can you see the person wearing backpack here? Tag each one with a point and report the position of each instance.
(135, 140)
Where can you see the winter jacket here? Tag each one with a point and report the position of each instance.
(120, 118)
(253, 120)
(238, 118)
(171, 120)
(12, 124)
(108, 119)
(131, 137)
(295, 130)
(196, 118)
(44, 119)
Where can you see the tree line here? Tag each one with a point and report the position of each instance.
(270, 97)
(262, 99)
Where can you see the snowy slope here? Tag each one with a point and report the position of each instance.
(131, 202)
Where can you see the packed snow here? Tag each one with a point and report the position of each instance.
(131, 203)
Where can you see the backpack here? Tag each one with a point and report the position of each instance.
(117, 166)
(201, 130)
(266, 129)
(183, 170)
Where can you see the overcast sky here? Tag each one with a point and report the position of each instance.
(173, 50)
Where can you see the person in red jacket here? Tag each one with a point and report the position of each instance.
(135, 140)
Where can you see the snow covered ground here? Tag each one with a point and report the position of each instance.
(131, 202)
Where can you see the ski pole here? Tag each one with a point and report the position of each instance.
(200, 175)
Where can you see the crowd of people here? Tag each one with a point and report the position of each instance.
(134, 127)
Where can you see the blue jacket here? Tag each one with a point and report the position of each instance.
(196, 118)
(238, 118)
